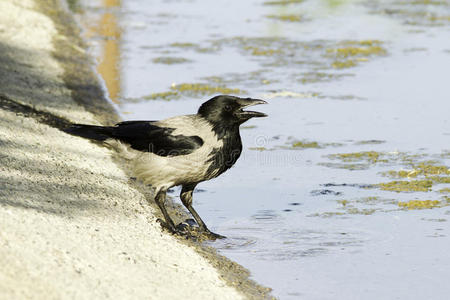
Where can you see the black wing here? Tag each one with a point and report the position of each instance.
(147, 137)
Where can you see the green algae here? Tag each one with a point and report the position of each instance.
(170, 60)
(313, 77)
(203, 89)
(434, 18)
(184, 45)
(430, 173)
(343, 202)
(421, 169)
(439, 179)
(337, 64)
(400, 174)
(321, 54)
(315, 56)
(347, 211)
(413, 166)
(170, 95)
(357, 51)
(420, 204)
(251, 79)
(342, 97)
(357, 211)
(187, 89)
(257, 77)
(374, 200)
(445, 154)
(407, 186)
(256, 51)
(418, 13)
(360, 206)
(422, 173)
(259, 148)
(346, 166)
(286, 18)
(305, 144)
(327, 214)
(349, 53)
(367, 156)
(294, 144)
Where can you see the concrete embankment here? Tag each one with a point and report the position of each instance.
(72, 225)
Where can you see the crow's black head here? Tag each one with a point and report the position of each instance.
(229, 110)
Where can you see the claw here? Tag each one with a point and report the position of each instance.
(214, 236)
(166, 226)
(182, 227)
(188, 230)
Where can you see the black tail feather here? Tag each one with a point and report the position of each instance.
(97, 133)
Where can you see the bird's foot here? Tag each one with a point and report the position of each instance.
(181, 229)
(191, 227)
(213, 236)
(170, 227)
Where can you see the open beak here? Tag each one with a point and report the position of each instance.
(246, 102)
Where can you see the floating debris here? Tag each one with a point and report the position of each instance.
(325, 192)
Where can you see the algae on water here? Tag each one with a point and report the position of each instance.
(188, 89)
(170, 60)
(420, 204)
(368, 156)
(287, 18)
(203, 89)
(407, 186)
(305, 144)
(349, 53)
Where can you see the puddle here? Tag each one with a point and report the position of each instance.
(344, 191)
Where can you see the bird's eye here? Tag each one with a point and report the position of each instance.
(228, 107)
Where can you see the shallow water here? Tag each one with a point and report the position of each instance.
(368, 78)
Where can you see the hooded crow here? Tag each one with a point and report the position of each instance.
(182, 150)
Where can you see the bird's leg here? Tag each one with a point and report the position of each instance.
(186, 199)
(160, 199)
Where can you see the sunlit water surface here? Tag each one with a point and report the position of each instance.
(366, 78)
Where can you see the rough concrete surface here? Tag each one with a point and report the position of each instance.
(71, 225)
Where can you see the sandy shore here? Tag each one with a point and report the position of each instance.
(72, 224)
